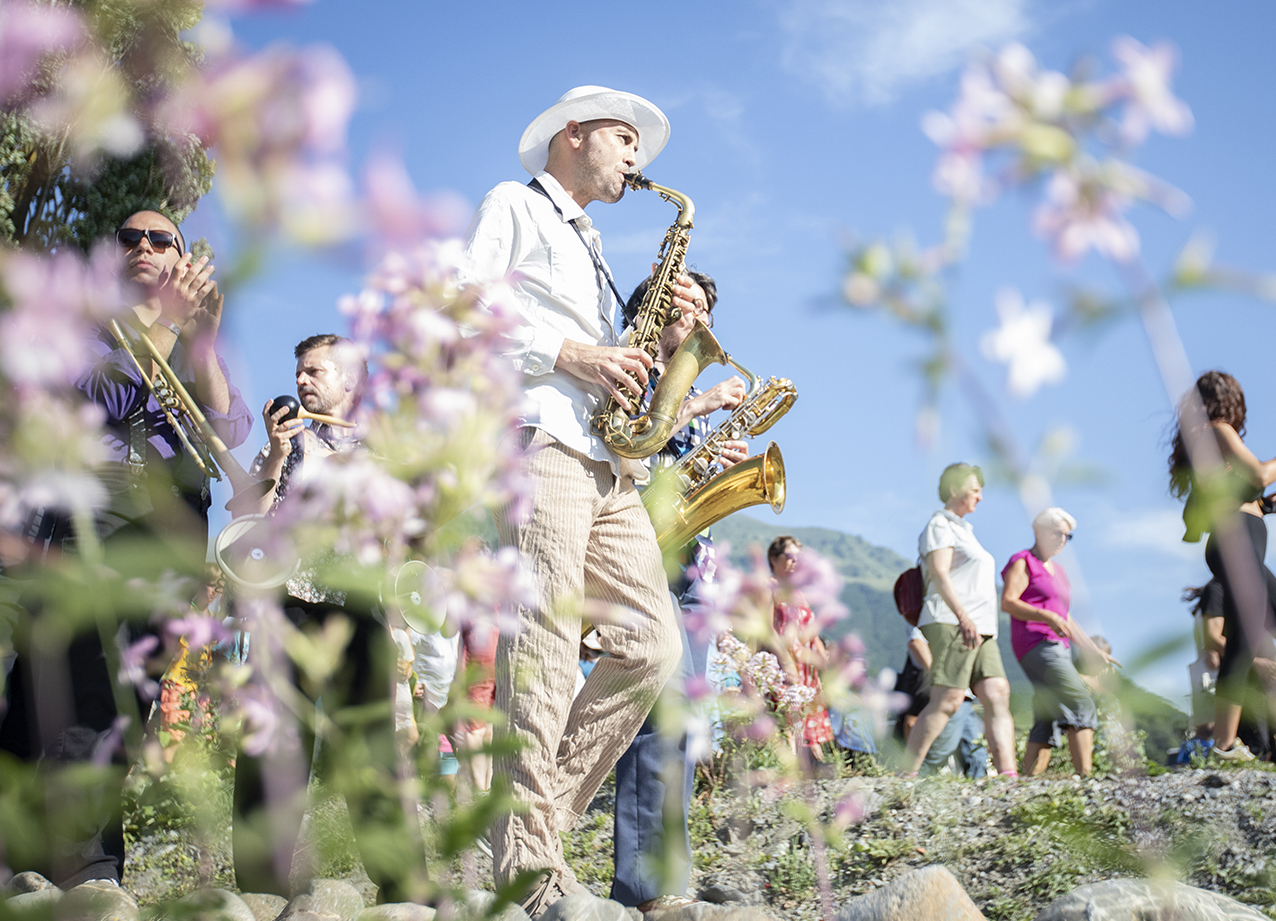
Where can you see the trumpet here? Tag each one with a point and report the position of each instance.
(297, 411)
(198, 437)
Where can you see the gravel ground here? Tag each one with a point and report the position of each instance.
(1015, 846)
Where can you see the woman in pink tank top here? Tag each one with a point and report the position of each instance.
(1037, 596)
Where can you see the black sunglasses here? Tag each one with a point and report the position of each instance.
(129, 237)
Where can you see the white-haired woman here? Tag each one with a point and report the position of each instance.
(1037, 595)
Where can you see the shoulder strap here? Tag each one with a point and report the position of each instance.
(599, 266)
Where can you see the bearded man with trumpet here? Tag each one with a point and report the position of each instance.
(358, 742)
(62, 703)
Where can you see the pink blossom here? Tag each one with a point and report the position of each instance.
(29, 31)
(1150, 103)
(56, 299)
(1079, 215)
(132, 670)
(198, 630)
(262, 725)
(850, 810)
(982, 114)
(278, 121)
(397, 212)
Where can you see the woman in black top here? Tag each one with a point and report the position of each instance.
(1229, 498)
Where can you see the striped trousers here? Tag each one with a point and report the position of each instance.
(590, 543)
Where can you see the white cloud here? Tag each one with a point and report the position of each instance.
(1158, 530)
(868, 50)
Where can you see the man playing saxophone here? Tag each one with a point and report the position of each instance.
(62, 703)
(587, 535)
(654, 775)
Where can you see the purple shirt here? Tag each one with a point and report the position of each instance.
(1046, 591)
(113, 382)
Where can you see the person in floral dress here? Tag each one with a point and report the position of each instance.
(798, 645)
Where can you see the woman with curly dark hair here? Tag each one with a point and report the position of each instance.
(1227, 499)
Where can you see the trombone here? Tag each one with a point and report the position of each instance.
(198, 437)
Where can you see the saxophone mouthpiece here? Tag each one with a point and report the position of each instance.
(636, 180)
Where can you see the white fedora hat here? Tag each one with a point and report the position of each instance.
(585, 103)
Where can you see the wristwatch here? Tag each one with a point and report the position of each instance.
(177, 330)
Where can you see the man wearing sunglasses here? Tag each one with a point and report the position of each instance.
(154, 523)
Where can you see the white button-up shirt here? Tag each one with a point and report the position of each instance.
(973, 574)
(518, 237)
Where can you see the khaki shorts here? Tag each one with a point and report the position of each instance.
(954, 665)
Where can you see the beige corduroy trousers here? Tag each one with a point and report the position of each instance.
(587, 537)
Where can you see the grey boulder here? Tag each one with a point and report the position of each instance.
(41, 901)
(265, 906)
(1136, 899)
(214, 905)
(27, 881)
(720, 895)
(397, 911)
(585, 907)
(932, 892)
(707, 911)
(328, 899)
(96, 900)
(478, 904)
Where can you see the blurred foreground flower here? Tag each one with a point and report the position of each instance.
(29, 32)
(1023, 343)
(277, 122)
(1145, 86)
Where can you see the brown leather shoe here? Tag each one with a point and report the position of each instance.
(665, 903)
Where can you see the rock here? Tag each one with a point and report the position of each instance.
(41, 901)
(28, 881)
(329, 899)
(478, 905)
(720, 895)
(707, 911)
(1215, 781)
(265, 906)
(1134, 899)
(397, 911)
(215, 905)
(585, 907)
(96, 900)
(929, 893)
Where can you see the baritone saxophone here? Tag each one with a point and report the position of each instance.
(695, 493)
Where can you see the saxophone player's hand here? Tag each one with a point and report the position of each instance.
(733, 452)
(727, 395)
(621, 371)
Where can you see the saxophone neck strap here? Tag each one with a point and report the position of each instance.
(599, 267)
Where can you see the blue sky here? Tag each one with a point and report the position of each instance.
(795, 127)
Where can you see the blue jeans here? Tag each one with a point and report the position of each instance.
(958, 738)
(652, 845)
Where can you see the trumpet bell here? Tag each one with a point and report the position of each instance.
(253, 555)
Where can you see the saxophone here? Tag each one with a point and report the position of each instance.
(695, 493)
(645, 434)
